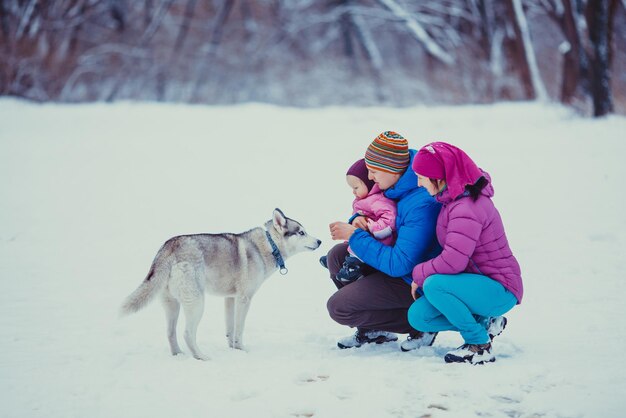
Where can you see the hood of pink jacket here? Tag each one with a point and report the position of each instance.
(443, 161)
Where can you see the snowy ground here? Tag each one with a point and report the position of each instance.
(90, 192)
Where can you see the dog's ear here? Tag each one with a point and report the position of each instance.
(279, 219)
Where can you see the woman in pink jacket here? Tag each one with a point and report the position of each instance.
(476, 278)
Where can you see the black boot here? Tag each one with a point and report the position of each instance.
(351, 270)
(324, 261)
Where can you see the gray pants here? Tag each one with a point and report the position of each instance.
(374, 302)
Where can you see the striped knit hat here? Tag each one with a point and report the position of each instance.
(389, 152)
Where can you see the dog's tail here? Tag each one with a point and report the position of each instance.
(149, 288)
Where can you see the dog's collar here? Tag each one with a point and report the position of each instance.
(280, 263)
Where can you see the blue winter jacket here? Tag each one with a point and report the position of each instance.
(415, 225)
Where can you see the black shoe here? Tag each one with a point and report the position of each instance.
(351, 270)
(324, 261)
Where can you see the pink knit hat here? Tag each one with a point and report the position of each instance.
(443, 161)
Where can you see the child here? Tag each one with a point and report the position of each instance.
(378, 210)
(476, 278)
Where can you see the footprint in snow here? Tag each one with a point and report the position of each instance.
(318, 378)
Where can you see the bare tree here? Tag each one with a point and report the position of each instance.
(418, 31)
(587, 28)
(210, 50)
(599, 14)
(575, 63)
(527, 60)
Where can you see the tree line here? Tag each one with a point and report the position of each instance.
(311, 53)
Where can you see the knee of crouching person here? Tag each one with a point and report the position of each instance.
(431, 283)
(415, 316)
(337, 309)
(335, 258)
(332, 306)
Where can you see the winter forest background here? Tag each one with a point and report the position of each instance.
(315, 53)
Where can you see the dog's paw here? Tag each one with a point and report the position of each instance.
(200, 356)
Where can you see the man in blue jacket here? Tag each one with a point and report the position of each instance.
(377, 303)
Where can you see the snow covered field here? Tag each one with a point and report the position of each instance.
(89, 193)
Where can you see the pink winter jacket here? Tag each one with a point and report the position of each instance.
(473, 240)
(381, 212)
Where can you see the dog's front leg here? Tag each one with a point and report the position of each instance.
(229, 316)
(242, 305)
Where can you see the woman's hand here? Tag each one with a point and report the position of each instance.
(414, 287)
(341, 231)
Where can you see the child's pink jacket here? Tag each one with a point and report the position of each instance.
(381, 212)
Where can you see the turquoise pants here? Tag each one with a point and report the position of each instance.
(460, 302)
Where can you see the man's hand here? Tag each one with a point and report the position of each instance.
(361, 222)
(341, 231)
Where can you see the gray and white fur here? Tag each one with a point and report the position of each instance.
(230, 265)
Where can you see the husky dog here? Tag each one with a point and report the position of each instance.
(230, 265)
